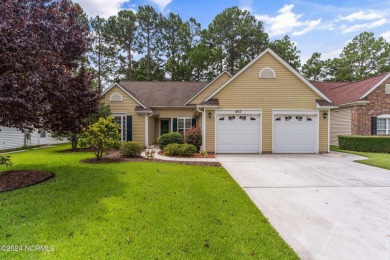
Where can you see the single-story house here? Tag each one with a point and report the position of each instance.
(363, 106)
(267, 107)
(13, 138)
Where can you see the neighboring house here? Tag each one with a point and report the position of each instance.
(267, 107)
(363, 106)
(13, 138)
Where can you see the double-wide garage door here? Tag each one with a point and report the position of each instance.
(241, 133)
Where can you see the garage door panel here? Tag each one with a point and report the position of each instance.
(295, 134)
(238, 134)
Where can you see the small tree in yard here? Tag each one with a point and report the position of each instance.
(101, 136)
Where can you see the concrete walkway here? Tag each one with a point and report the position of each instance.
(36, 148)
(324, 206)
(180, 159)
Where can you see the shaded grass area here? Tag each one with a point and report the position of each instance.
(381, 160)
(133, 210)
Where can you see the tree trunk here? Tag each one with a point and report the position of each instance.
(74, 142)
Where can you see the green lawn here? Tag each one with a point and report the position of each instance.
(381, 160)
(134, 210)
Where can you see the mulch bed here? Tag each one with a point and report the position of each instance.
(115, 156)
(196, 155)
(12, 180)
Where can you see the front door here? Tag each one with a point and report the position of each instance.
(164, 126)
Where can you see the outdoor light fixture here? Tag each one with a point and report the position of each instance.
(210, 115)
(325, 115)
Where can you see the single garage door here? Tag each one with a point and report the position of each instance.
(295, 133)
(238, 133)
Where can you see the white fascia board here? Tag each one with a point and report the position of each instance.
(268, 50)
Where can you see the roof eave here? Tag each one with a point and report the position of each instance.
(124, 90)
(356, 103)
(376, 86)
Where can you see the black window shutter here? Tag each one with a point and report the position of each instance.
(193, 122)
(373, 125)
(174, 125)
(129, 129)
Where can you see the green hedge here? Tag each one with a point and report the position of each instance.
(171, 138)
(372, 144)
(179, 150)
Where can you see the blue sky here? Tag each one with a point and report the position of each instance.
(315, 26)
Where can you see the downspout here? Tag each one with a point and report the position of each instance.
(147, 128)
(203, 128)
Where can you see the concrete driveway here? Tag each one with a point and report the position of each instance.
(324, 206)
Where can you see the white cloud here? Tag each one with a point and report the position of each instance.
(331, 54)
(363, 26)
(287, 21)
(161, 3)
(246, 5)
(103, 8)
(369, 15)
(386, 36)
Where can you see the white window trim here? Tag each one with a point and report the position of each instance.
(387, 124)
(116, 94)
(184, 126)
(124, 118)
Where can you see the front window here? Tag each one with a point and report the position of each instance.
(383, 126)
(121, 121)
(184, 124)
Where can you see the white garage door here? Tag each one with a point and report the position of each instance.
(238, 133)
(295, 133)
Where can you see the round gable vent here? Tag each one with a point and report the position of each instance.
(116, 97)
(267, 73)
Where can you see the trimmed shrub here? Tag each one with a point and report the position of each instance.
(194, 137)
(179, 150)
(186, 150)
(171, 138)
(131, 149)
(171, 149)
(372, 144)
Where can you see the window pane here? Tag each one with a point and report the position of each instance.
(188, 123)
(180, 123)
(381, 132)
(181, 131)
(381, 124)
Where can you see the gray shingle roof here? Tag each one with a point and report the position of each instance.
(163, 93)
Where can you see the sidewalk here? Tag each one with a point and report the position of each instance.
(180, 159)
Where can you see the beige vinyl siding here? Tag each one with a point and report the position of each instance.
(210, 131)
(323, 135)
(172, 113)
(286, 91)
(211, 88)
(128, 106)
(340, 123)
